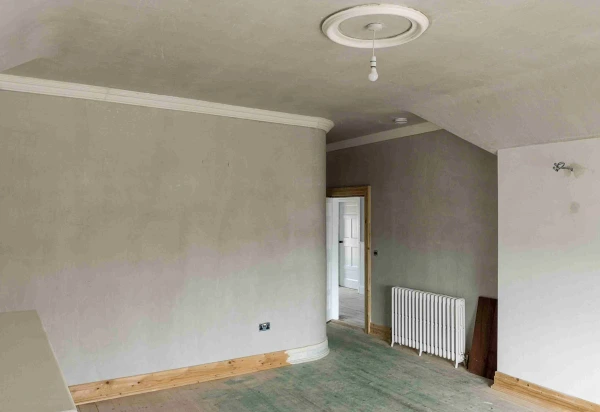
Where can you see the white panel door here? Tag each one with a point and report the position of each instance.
(349, 243)
(332, 222)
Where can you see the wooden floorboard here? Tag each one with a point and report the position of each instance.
(352, 307)
(361, 373)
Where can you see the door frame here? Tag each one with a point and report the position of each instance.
(364, 192)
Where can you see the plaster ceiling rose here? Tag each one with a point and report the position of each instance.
(400, 25)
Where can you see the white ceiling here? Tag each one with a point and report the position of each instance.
(497, 73)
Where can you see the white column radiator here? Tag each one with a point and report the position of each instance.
(429, 322)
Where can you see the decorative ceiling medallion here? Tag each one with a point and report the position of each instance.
(418, 24)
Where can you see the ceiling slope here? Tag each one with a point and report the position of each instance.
(498, 74)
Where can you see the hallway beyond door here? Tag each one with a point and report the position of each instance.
(352, 307)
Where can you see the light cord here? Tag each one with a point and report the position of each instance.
(373, 43)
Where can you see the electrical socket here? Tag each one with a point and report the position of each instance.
(263, 327)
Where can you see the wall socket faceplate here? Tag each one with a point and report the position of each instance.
(262, 327)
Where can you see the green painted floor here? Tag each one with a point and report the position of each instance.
(361, 373)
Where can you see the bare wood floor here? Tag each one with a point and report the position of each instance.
(360, 374)
(352, 307)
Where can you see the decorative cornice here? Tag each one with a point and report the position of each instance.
(105, 94)
(382, 136)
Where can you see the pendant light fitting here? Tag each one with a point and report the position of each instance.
(374, 27)
(398, 25)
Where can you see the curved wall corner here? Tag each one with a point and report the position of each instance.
(151, 239)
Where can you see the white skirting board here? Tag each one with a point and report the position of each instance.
(308, 353)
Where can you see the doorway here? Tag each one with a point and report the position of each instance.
(348, 256)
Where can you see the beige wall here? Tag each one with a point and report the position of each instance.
(150, 239)
(434, 216)
(549, 275)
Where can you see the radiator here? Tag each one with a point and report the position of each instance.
(429, 322)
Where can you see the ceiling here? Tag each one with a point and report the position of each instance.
(497, 73)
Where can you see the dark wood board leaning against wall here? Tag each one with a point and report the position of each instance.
(483, 359)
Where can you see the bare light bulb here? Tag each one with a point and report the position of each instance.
(373, 75)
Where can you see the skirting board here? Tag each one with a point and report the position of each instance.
(540, 395)
(382, 332)
(308, 353)
(134, 385)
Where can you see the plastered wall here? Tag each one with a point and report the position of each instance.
(549, 267)
(434, 216)
(150, 239)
